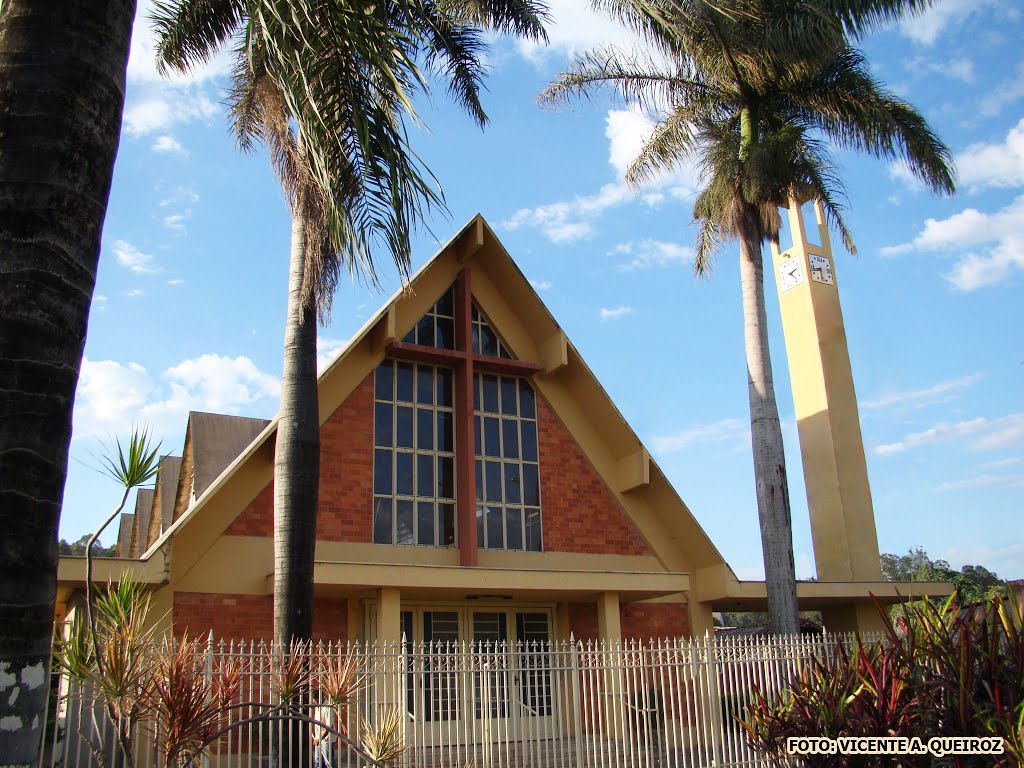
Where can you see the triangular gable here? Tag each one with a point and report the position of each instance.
(140, 525)
(212, 442)
(164, 492)
(507, 303)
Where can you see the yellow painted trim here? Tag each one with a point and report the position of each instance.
(71, 571)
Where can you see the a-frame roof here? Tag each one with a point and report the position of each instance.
(516, 310)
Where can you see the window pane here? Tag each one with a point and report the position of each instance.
(445, 333)
(476, 338)
(508, 396)
(529, 442)
(425, 331)
(424, 384)
(495, 528)
(492, 444)
(403, 474)
(479, 480)
(475, 313)
(444, 386)
(382, 521)
(480, 525)
(445, 477)
(513, 528)
(403, 376)
(476, 391)
(425, 428)
(410, 337)
(403, 430)
(513, 491)
(382, 482)
(490, 394)
(447, 515)
(445, 429)
(492, 481)
(383, 388)
(382, 424)
(510, 438)
(527, 406)
(425, 523)
(488, 341)
(403, 522)
(533, 534)
(425, 475)
(478, 446)
(445, 304)
(531, 485)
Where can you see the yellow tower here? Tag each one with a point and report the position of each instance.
(835, 471)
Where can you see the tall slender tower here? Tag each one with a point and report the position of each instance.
(831, 446)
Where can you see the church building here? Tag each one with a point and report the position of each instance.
(476, 483)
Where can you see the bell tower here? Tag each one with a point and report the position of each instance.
(832, 449)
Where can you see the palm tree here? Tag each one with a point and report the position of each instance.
(748, 87)
(327, 86)
(62, 81)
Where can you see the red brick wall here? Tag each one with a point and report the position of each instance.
(346, 477)
(580, 513)
(250, 617)
(638, 620)
(654, 620)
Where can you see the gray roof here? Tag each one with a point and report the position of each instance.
(216, 440)
(140, 529)
(124, 534)
(163, 498)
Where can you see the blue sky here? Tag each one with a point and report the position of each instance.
(190, 298)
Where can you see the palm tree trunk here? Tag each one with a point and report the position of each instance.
(296, 461)
(62, 81)
(766, 437)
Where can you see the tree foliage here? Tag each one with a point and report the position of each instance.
(974, 583)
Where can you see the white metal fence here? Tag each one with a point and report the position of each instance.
(669, 703)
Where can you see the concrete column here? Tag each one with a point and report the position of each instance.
(389, 681)
(608, 623)
(700, 618)
(609, 627)
(852, 617)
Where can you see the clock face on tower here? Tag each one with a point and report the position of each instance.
(821, 269)
(791, 274)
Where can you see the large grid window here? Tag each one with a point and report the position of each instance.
(414, 455)
(507, 468)
(437, 327)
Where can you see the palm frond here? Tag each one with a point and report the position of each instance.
(190, 32)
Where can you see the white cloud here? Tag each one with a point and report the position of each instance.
(113, 396)
(938, 393)
(615, 313)
(168, 144)
(99, 298)
(985, 481)
(175, 281)
(926, 28)
(652, 253)
(1005, 93)
(567, 222)
(1006, 561)
(979, 434)
(326, 349)
(724, 430)
(160, 110)
(541, 285)
(573, 220)
(134, 292)
(994, 165)
(1003, 463)
(970, 228)
(132, 258)
(575, 27)
(958, 69)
